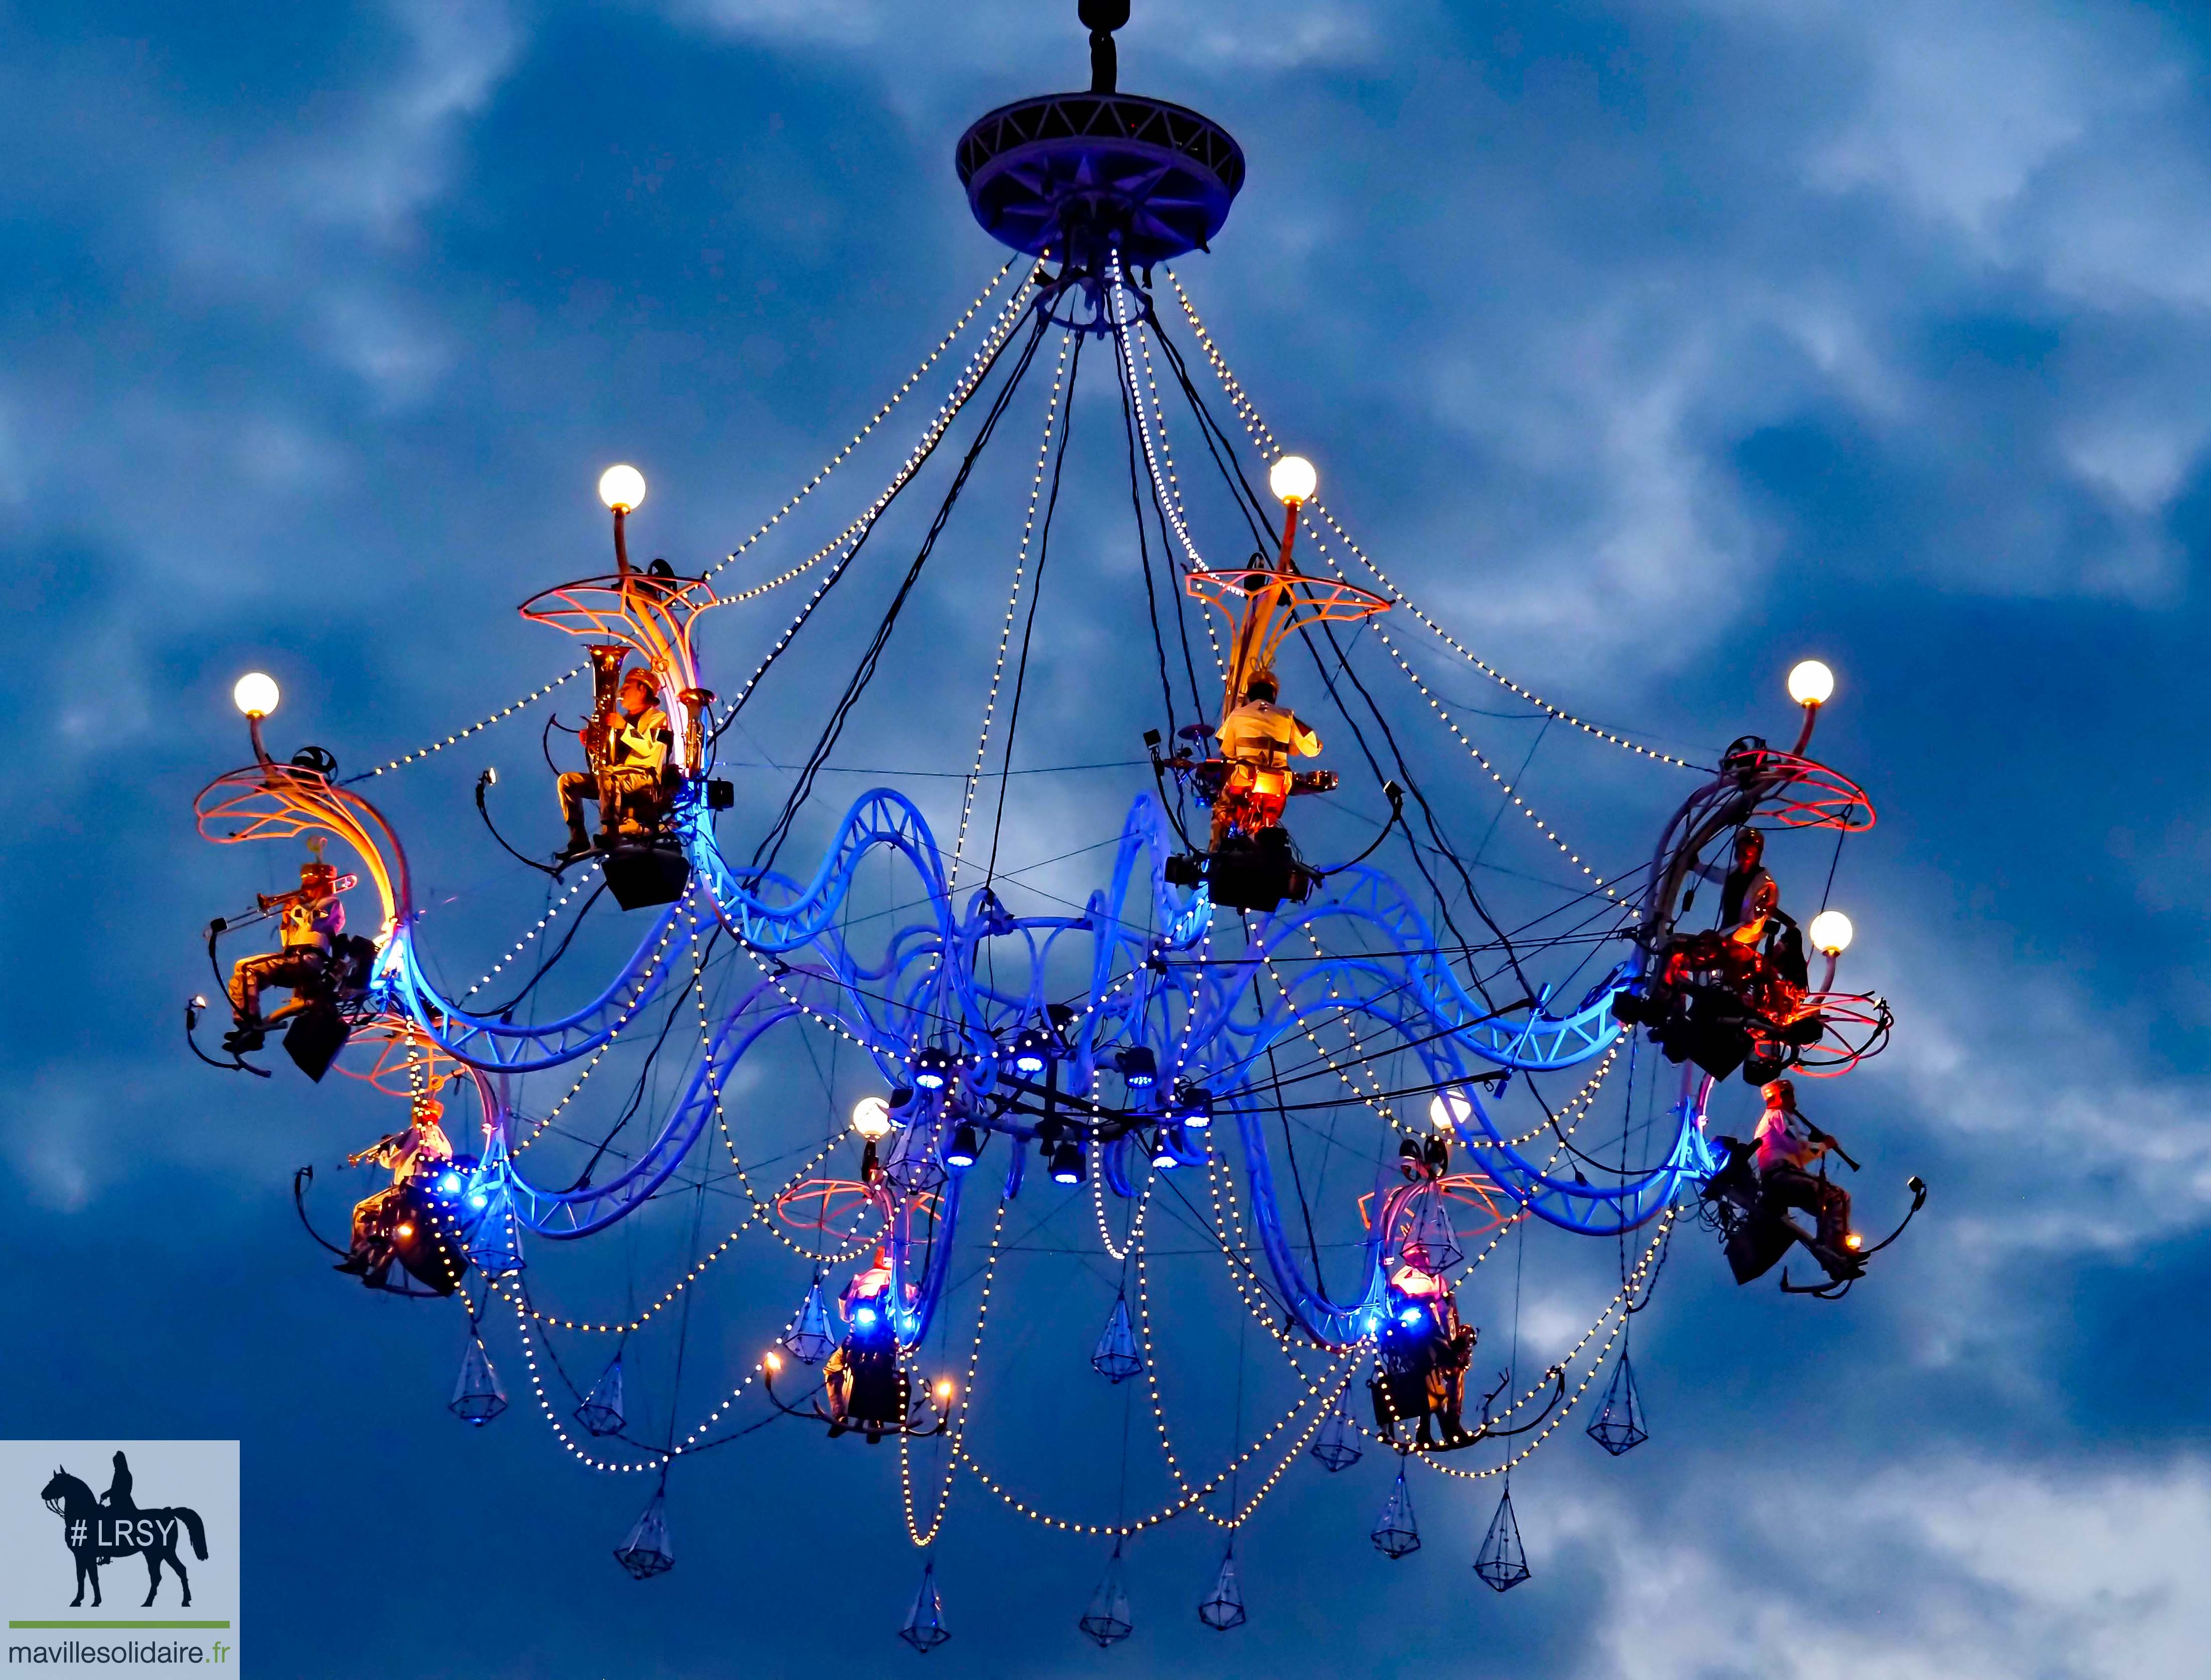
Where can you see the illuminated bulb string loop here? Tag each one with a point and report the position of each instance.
(1264, 442)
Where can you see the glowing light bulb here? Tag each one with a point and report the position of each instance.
(1293, 479)
(1447, 1108)
(1853, 1241)
(1810, 683)
(944, 1388)
(256, 694)
(871, 1117)
(1831, 933)
(622, 488)
(773, 1361)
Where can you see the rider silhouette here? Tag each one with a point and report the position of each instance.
(118, 1496)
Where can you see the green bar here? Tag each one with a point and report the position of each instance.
(118, 1624)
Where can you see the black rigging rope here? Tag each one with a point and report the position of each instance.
(1036, 595)
(549, 959)
(764, 854)
(637, 1096)
(1144, 557)
(1255, 512)
(869, 529)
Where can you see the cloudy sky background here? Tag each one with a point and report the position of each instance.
(1650, 347)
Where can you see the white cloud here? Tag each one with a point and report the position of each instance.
(1964, 104)
(1949, 1570)
(1239, 34)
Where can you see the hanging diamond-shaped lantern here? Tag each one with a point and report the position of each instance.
(495, 1243)
(1223, 1608)
(1337, 1446)
(646, 1552)
(1619, 1422)
(1106, 1621)
(913, 1165)
(1502, 1560)
(1431, 1245)
(1116, 1359)
(924, 1627)
(477, 1396)
(602, 1411)
(808, 1340)
(1396, 1533)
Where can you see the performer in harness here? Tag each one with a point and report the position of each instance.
(1257, 739)
(866, 1390)
(1787, 1145)
(627, 745)
(309, 922)
(405, 1221)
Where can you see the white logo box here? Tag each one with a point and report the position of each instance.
(182, 1499)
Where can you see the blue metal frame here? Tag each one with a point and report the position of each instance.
(963, 980)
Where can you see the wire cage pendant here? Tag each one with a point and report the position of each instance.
(601, 1411)
(495, 1245)
(1108, 1622)
(647, 1552)
(1116, 1359)
(913, 1163)
(1337, 1446)
(807, 1340)
(1620, 1423)
(924, 1627)
(1223, 1607)
(1502, 1562)
(477, 1396)
(1396, 1531)
(1432, 1245)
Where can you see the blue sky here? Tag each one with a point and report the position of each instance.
(1650, 347)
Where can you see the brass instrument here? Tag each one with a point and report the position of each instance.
(598, 732)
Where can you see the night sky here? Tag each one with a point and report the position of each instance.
(1650, 348)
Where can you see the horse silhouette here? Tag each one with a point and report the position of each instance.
(95, 1533)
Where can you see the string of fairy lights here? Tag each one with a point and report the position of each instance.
(1265, 441)
(1169, 492)
(589, 875)
(638, 992)
(846, 543)
(882, 413)
(1051, 422)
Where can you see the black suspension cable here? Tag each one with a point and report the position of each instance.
(550, 959)
(1036, 597)
(637, 1095)
(869, 529)
(1144, 557)
(764, 854)
(1255, 512)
